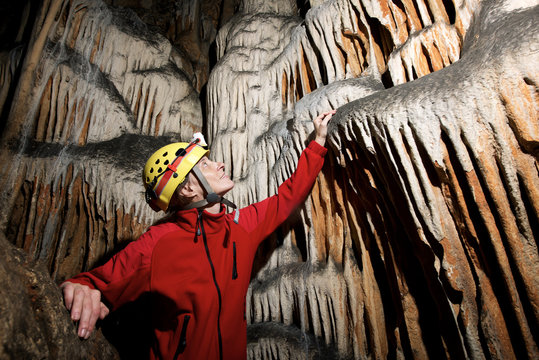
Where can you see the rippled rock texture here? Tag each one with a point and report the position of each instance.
(35, 323)
(419, 239)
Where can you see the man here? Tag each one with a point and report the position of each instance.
(196, 267)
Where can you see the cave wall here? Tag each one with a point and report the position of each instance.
(419, 238)
(96, 84)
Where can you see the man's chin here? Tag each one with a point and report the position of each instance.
(224, 192)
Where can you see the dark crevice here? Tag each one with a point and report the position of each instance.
(301, 240)
(384, 270)
(310, 74)
(427, 57)
(387, 81)
(411, 254)
(449, 327)
(299, 88)
(499, 282)
(469, 243)
(4, 114)
(450, 11)
(533, 217)
(363, 46)
(399, 4)
(368, 330)
(435, 319)
(387, 42)
(362, 204)
(79, 204)
(204, 108)
(382, 37)
(530, 82)
(534, 225)
(297, 308)
(344, 55)
(308, 313)
(12, 20)
(19, 215)
(515, 271)
(421, 20)
(321, 65)
(339, 178)
(333, 209)
(430, 14)
(323, 332)
(303, 7)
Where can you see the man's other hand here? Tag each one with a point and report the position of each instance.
(85, 306)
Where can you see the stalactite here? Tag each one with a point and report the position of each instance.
(9, 62)
(87, 74)
(418, 240)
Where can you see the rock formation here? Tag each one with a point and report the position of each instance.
(419, 238)
(35, 324)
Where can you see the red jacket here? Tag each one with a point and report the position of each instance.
(197, 269)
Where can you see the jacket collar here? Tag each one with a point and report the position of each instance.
(213, 223)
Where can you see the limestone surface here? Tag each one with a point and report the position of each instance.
(419, 239)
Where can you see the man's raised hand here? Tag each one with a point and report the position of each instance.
(321, 126)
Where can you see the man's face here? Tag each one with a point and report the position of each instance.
(214, 172)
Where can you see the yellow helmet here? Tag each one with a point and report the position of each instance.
(167, 168)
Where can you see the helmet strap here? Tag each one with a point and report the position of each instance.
(211, 197)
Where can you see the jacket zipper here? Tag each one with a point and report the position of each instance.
(234, 266)
(216, 287)
(183, 337)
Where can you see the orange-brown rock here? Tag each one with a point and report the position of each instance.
(420, 237)
(35, 323)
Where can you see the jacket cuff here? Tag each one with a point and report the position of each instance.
(317, 148)
(81, 281)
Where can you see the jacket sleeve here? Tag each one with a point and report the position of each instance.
(262, 218)
(124, 277)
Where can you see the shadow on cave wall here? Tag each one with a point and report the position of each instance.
(440, 331)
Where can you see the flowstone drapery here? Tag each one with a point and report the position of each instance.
(99, 88)
(419, 238)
